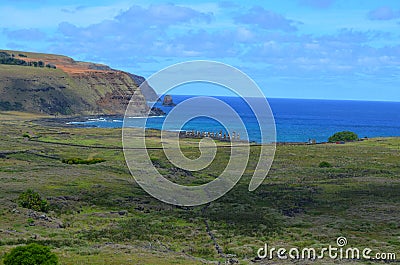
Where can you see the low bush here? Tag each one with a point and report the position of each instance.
(32, 254)
(76, 161)
(325, 164)
(32, 200)
(6, 105)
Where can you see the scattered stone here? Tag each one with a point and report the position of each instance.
(139, 208)
(44, 220)
(123, 212)
(33, 214)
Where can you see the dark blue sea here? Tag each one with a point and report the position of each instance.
(297, 120)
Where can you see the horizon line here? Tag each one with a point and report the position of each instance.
(234, 96)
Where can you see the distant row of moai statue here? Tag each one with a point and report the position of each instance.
(234, 136)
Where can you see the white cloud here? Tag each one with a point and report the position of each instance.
(30, 34)
(45, 17)
(266, 19)
(384, 13)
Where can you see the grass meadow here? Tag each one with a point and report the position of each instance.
(99, 215)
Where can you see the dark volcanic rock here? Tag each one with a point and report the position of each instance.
(156, 112)
(168, 101)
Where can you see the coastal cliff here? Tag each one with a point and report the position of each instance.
(55, 84)
(147, 91)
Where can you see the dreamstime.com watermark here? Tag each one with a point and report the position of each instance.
(337, 252)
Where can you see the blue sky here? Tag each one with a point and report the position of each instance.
(328, 49)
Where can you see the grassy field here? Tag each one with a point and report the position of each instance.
(99, 215)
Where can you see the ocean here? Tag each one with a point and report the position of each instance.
(297, 120)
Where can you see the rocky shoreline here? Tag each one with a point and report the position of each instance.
(71, 121)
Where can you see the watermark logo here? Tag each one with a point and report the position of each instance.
(340, 251)
(341, 241)
(136, 150)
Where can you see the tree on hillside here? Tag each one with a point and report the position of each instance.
(344, 136)
(32, 200)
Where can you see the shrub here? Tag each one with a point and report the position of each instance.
(6, 105)
(4, 55)
(32, 200)
(325, 164)
(49, 65)
(343, 136)
(76, 160)
(32, 254)
(6, 58)
(30, 221)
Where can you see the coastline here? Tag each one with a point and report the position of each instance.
(296, 122)
(69, 122)
(65, 122)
